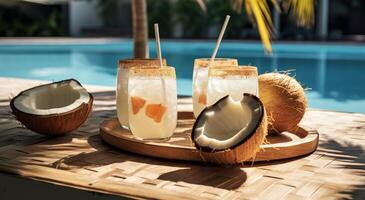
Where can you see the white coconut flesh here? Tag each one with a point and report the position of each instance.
(228, 122)
(55, 98)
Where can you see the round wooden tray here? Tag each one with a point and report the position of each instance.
(180, 146)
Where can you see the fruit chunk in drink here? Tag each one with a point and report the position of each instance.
(152, 102)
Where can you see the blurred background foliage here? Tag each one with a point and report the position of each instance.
(177, 19)
(346, 18)
(186, 16)
(217, 11)
(39, 21)
(160, 12)
(109, 10)
(193, 22)
(191, 17)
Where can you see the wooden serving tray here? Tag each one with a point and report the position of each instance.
(180, 146)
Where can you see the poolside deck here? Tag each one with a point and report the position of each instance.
(80, 160)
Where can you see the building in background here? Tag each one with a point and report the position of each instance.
(83, 15)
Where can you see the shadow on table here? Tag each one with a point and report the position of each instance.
(14, 133)
(228, 178)
(352, 157)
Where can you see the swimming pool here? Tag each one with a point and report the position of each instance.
(333, 73)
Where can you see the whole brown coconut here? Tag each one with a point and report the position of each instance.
(284, 100)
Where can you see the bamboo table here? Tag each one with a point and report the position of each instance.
(82, 161)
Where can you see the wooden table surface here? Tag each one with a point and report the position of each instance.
(81, 160)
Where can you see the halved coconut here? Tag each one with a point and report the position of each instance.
(229, 131)
(53, 109)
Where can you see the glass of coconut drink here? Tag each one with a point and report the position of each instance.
(201, 70)
(122, 84)
(152, 100)
(200, 79)
(233, 81)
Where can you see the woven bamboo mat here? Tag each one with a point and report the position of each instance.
(335, 171)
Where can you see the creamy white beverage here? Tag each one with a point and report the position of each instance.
(122, 84)
(233, 82)
(200, 79)
(152, 99)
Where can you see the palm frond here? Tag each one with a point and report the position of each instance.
(259, 12)
(302, 10)
(276, 5)
(237, 5)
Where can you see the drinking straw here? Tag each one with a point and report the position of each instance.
(219, 40)
(158, 44)
(158, 50)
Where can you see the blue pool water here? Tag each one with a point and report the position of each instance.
(334, 73)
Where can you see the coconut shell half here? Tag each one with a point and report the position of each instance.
(53, 109)
(230, 132)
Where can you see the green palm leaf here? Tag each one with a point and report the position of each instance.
(259, 13)
(303, 10)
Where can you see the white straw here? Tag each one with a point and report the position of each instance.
(158, 44)
(219, 40)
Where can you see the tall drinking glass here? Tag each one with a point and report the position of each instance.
(200, 79)
(122, 84)
(233, 81)
(152, 101)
